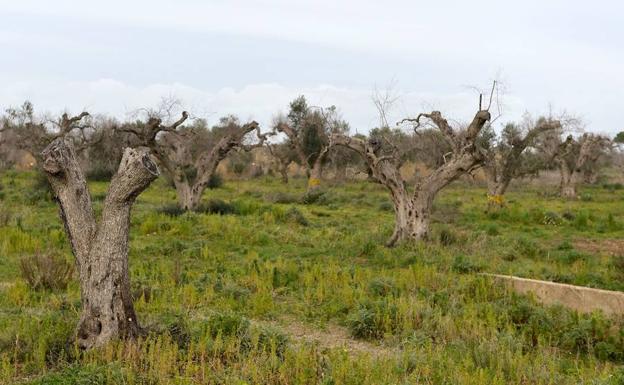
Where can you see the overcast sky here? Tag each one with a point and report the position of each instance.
(251, 57)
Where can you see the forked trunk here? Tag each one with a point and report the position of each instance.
(316, 172)
(314, 181)
(101, 251)
(107, 310)
(496, 192)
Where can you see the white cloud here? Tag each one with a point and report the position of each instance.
(560, 51)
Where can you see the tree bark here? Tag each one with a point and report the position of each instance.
(183, 189)
(101, 251)
(567, 183)
(315, 174)
(412, 217)
(283, 171)
(413, 214)
(497, 187)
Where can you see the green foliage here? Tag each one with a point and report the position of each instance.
(215, 181)
(295, 216)
(373, 319)
(447, 237)
(381, 287)
(282, 197)
(100, 174)
(216, 206)
(386, 206)
(316, 196)
(463, 265)
(171, 209)
(40, 190)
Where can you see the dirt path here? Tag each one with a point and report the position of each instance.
(600, 246)
(332, 337)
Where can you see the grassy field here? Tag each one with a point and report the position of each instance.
(266, 286)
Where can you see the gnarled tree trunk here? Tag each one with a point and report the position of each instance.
(412, 217)
(101, 251)
(568, 181)
(315, 173)
(496, 187)
(413, 213)
(283, 171)
(567, 186)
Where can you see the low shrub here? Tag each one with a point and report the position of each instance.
(216, 206)
(228, 324)
(171, 209)
(587, 197)
(179, 332)
(551, 218)
(285, 277)
(282, 197)
(612, 186)
(40, 189)
(447, 237)
(46, 272)
(293, 215)
(373, 319)
(215, 181)
(527, 247)
(492, 229)
(318, 197)
(266, 339)
(381, 287)
(386, 206)
(463, 265)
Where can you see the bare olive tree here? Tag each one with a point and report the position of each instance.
(307, 129)
(508, 155)
(413, 208)
(282, 154)
(190, 155)
(572, 156)
(33, 134)
(100, 249)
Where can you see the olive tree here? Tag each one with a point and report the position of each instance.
(412, 207)
(282, 155)
(509, 155)
(33, 134)
(189, 155)
(307, 130)
(100, 249)
(572, 157)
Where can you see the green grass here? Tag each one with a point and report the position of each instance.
(208, 285)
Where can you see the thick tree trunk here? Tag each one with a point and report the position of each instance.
(283, 171)
(316, 172)
(314, 180)
(568, 191)
(183, 191)
(102, 254)
(496, 192)
(412, 217)
(567, 184)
